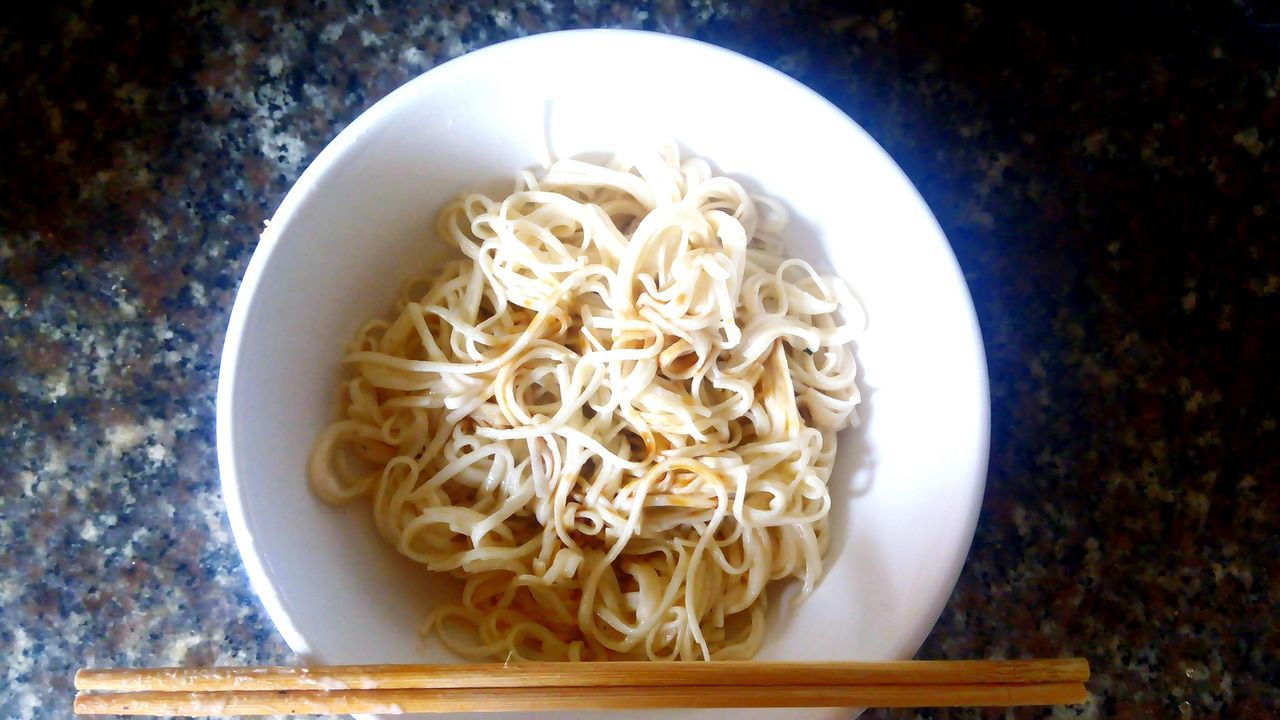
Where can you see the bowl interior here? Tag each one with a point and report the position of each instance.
(909, 480)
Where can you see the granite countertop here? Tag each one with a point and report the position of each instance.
(1110, 185)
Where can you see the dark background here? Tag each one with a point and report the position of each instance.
(1106, 174)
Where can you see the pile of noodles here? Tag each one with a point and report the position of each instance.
(614, 416)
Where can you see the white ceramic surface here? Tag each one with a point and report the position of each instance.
(909, 482)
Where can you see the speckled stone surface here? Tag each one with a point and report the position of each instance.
(1108, 177)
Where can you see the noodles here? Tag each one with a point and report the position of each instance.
(614, 417)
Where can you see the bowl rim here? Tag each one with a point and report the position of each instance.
(346, 141)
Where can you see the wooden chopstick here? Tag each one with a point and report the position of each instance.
(299, 702)
(606, 674)
(195, 692)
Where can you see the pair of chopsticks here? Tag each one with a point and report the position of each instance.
(195, 692)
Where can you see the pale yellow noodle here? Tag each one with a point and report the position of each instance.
(614, 416)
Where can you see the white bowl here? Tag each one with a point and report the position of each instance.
(908, 483)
